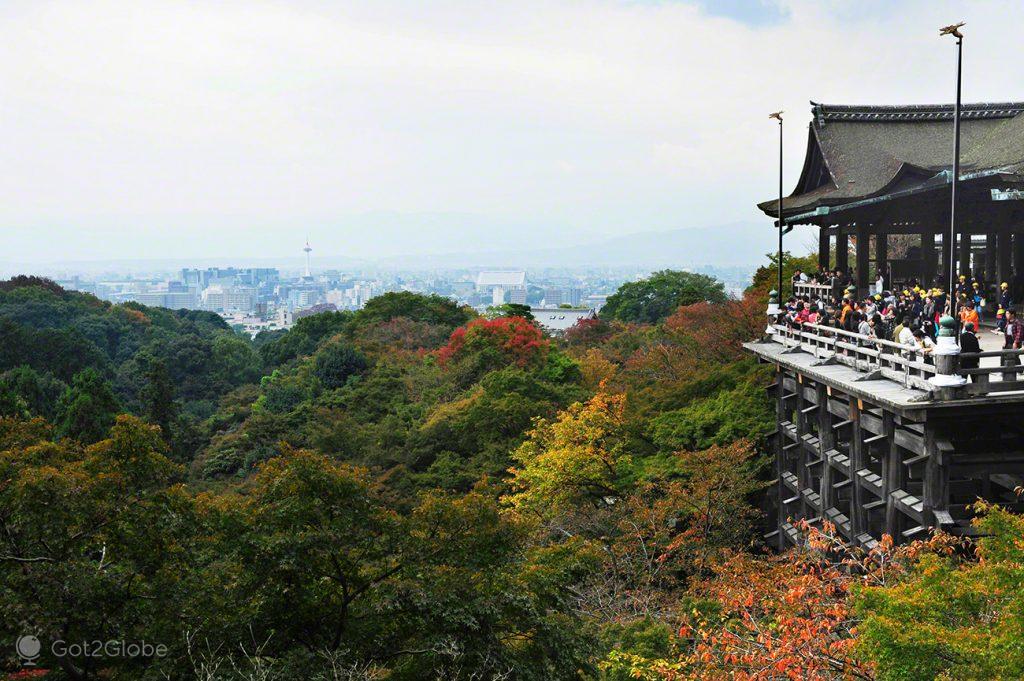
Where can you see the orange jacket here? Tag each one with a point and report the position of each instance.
(969, 315)
(842, 315)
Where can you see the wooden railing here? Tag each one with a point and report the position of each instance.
(1007, 373)
(909, 366)
(810, 289)
(884, 358)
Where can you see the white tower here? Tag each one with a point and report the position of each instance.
(307, 249)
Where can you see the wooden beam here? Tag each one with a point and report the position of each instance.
(858, 517)
(826, 442)
(780, 467)
(935, 482)
(990, 257)
(894, 478)
(947, 253)
(1018, 252)
(842, 252)
(1004, 257)
(802, 429)
(964, 251)
(928, 258)
(863, 259)
(882, 256)
(824, 247)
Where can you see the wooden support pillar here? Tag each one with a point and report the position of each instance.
(858, 517)
(1018, 256)
(863, 260)
(823, 247)
(1004, 259)
(842, 251)
(802, 474)
(929, 266)
(894, 477)
(935, 492)
(990, 258)
(780, 463)
(964, 253)
(882, 257)
(947, 253)
(826, 443)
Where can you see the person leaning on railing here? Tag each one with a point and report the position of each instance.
(923, 344)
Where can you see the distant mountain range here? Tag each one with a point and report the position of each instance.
(733, 245)
(737, 245)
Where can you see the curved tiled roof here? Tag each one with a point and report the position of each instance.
(869, 150)
(914, 112)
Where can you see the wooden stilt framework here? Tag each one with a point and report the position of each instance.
(871, 469)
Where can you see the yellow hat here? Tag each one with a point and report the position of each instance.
(1003, 285)
(906, 292)
(878, 297)
(975, 284)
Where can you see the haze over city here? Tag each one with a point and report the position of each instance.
(378, 130)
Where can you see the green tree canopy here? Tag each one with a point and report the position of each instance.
(766, 277)
(415, 306)
(94, 545)
(651, 300)
(511, 310)
(304, 337)
(336, 362)
(87, 408)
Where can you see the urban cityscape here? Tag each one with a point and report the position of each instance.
(256, 299)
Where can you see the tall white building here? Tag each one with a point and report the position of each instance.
(503, 287)
(218, 298)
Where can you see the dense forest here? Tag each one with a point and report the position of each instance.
(413, 491)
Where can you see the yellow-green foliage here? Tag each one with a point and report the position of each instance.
(951, 617)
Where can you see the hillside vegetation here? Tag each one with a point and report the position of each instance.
(414, 492)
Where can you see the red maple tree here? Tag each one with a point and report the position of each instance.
(516, 339)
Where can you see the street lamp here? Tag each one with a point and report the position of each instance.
(778, 116)
(954, 30)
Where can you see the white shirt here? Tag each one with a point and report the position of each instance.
(907, 337)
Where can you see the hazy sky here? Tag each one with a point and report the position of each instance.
(145, 128)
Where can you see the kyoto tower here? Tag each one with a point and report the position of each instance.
(308, 250)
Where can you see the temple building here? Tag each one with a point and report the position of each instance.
(875, 171)
(875, 437)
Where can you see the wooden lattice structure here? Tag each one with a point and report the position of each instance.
(868, 441)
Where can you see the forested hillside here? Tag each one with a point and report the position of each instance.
(415, 492)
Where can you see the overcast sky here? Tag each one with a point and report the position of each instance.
(145, 128)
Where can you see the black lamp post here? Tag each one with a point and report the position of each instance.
(778, 116)
(954, 30)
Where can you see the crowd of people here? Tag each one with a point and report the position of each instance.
(909, 317)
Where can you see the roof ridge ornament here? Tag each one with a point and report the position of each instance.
(912, 112)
